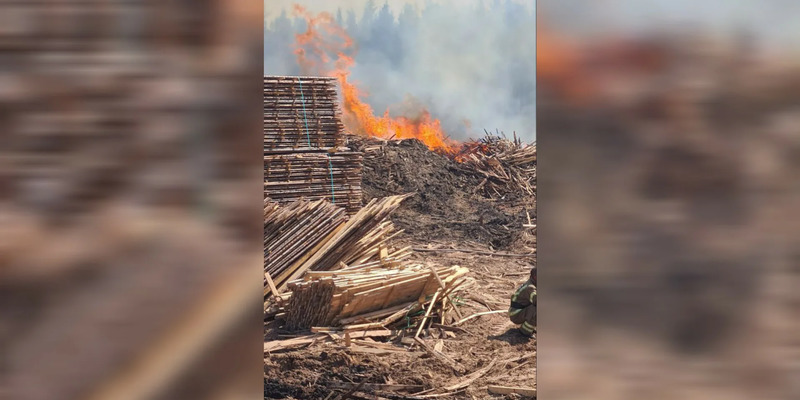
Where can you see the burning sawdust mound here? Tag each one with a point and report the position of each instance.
(450, 204)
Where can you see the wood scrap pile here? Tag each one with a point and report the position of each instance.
(356, 293)
(304, 153)
(317, 236)
(508, 166)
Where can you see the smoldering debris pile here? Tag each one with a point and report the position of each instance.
(456, 201)
(304, 155)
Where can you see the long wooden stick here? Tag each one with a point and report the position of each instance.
(444, 290)
(271, 284)
(478, 315)
(427, 313)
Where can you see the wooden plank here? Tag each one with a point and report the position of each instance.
(444, 289)
(272, 287)
(277, 345)
(376, 314)
(530, 392)
(427, 314)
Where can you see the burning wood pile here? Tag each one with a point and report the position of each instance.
(304, 155)
(508, 166)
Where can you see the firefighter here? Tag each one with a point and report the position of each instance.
(523, 306)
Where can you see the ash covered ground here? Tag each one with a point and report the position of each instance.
(447, 207)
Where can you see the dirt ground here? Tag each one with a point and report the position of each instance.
(445, 214)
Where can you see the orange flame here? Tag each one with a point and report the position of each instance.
(324, 37)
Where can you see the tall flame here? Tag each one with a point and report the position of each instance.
(324, 37)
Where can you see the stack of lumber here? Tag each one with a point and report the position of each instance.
(330, 297)
(317, 236)
(304, 157)
(313, 176)
(291, 230)
(508, 166)
(301, 114)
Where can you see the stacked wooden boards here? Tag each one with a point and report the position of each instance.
(317, 236)
(327, 298)
(304, 157)
(341, 269)
(335, 177)
(291, 230)
(301, 114)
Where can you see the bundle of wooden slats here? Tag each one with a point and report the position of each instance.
(301, 114)
(328, 298)
(304, 157)
(332, 176)
(361, 238)
(291, 230)
(316, 236)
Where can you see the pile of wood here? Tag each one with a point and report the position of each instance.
(364, 293)
(508, 165)
(313, 176)
(317, 236)
(304, 157)
(291, 230)
(301, 114)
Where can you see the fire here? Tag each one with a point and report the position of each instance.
(323, 38)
